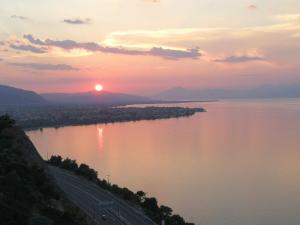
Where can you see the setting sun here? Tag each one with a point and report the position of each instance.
(98, 87)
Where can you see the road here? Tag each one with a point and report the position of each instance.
(97, 202)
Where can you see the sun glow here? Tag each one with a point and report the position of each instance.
(98, 87)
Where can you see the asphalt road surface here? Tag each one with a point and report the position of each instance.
(102, 206)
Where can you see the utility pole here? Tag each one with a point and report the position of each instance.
(108, 176)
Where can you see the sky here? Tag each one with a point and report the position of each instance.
(146, 46)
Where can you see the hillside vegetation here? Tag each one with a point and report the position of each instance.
(27, 194)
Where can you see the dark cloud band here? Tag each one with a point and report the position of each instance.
(166, 53)
(29, 48)
(41, 66)
(239, 59)
(77, 21)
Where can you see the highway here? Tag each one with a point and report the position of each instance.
(97, 202)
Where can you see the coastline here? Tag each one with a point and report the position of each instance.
(54, 186)
(35, 119)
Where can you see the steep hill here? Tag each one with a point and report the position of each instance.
(15, 96)
(28, 195)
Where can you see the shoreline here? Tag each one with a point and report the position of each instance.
(61, 117)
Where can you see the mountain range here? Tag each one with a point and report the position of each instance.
(267, 91)
(14, 96)
(94, 97)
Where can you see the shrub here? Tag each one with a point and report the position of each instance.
(69, 164)
(6, 122)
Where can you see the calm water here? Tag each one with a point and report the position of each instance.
(237, 164)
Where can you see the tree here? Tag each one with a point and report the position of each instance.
(6, 122)
(140, 195)
(176, 220)
(165, 211)
(127, 194)
(69, 164)
(55, 160)
(150, 204)
(86, 171)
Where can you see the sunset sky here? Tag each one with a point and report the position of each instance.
(146, 46)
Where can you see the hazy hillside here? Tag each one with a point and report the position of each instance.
(105, 98)
(180, 94)
(15, 96)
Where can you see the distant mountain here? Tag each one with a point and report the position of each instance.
(267, 91)
(182, 94)
(93, 97)
(14, 96)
